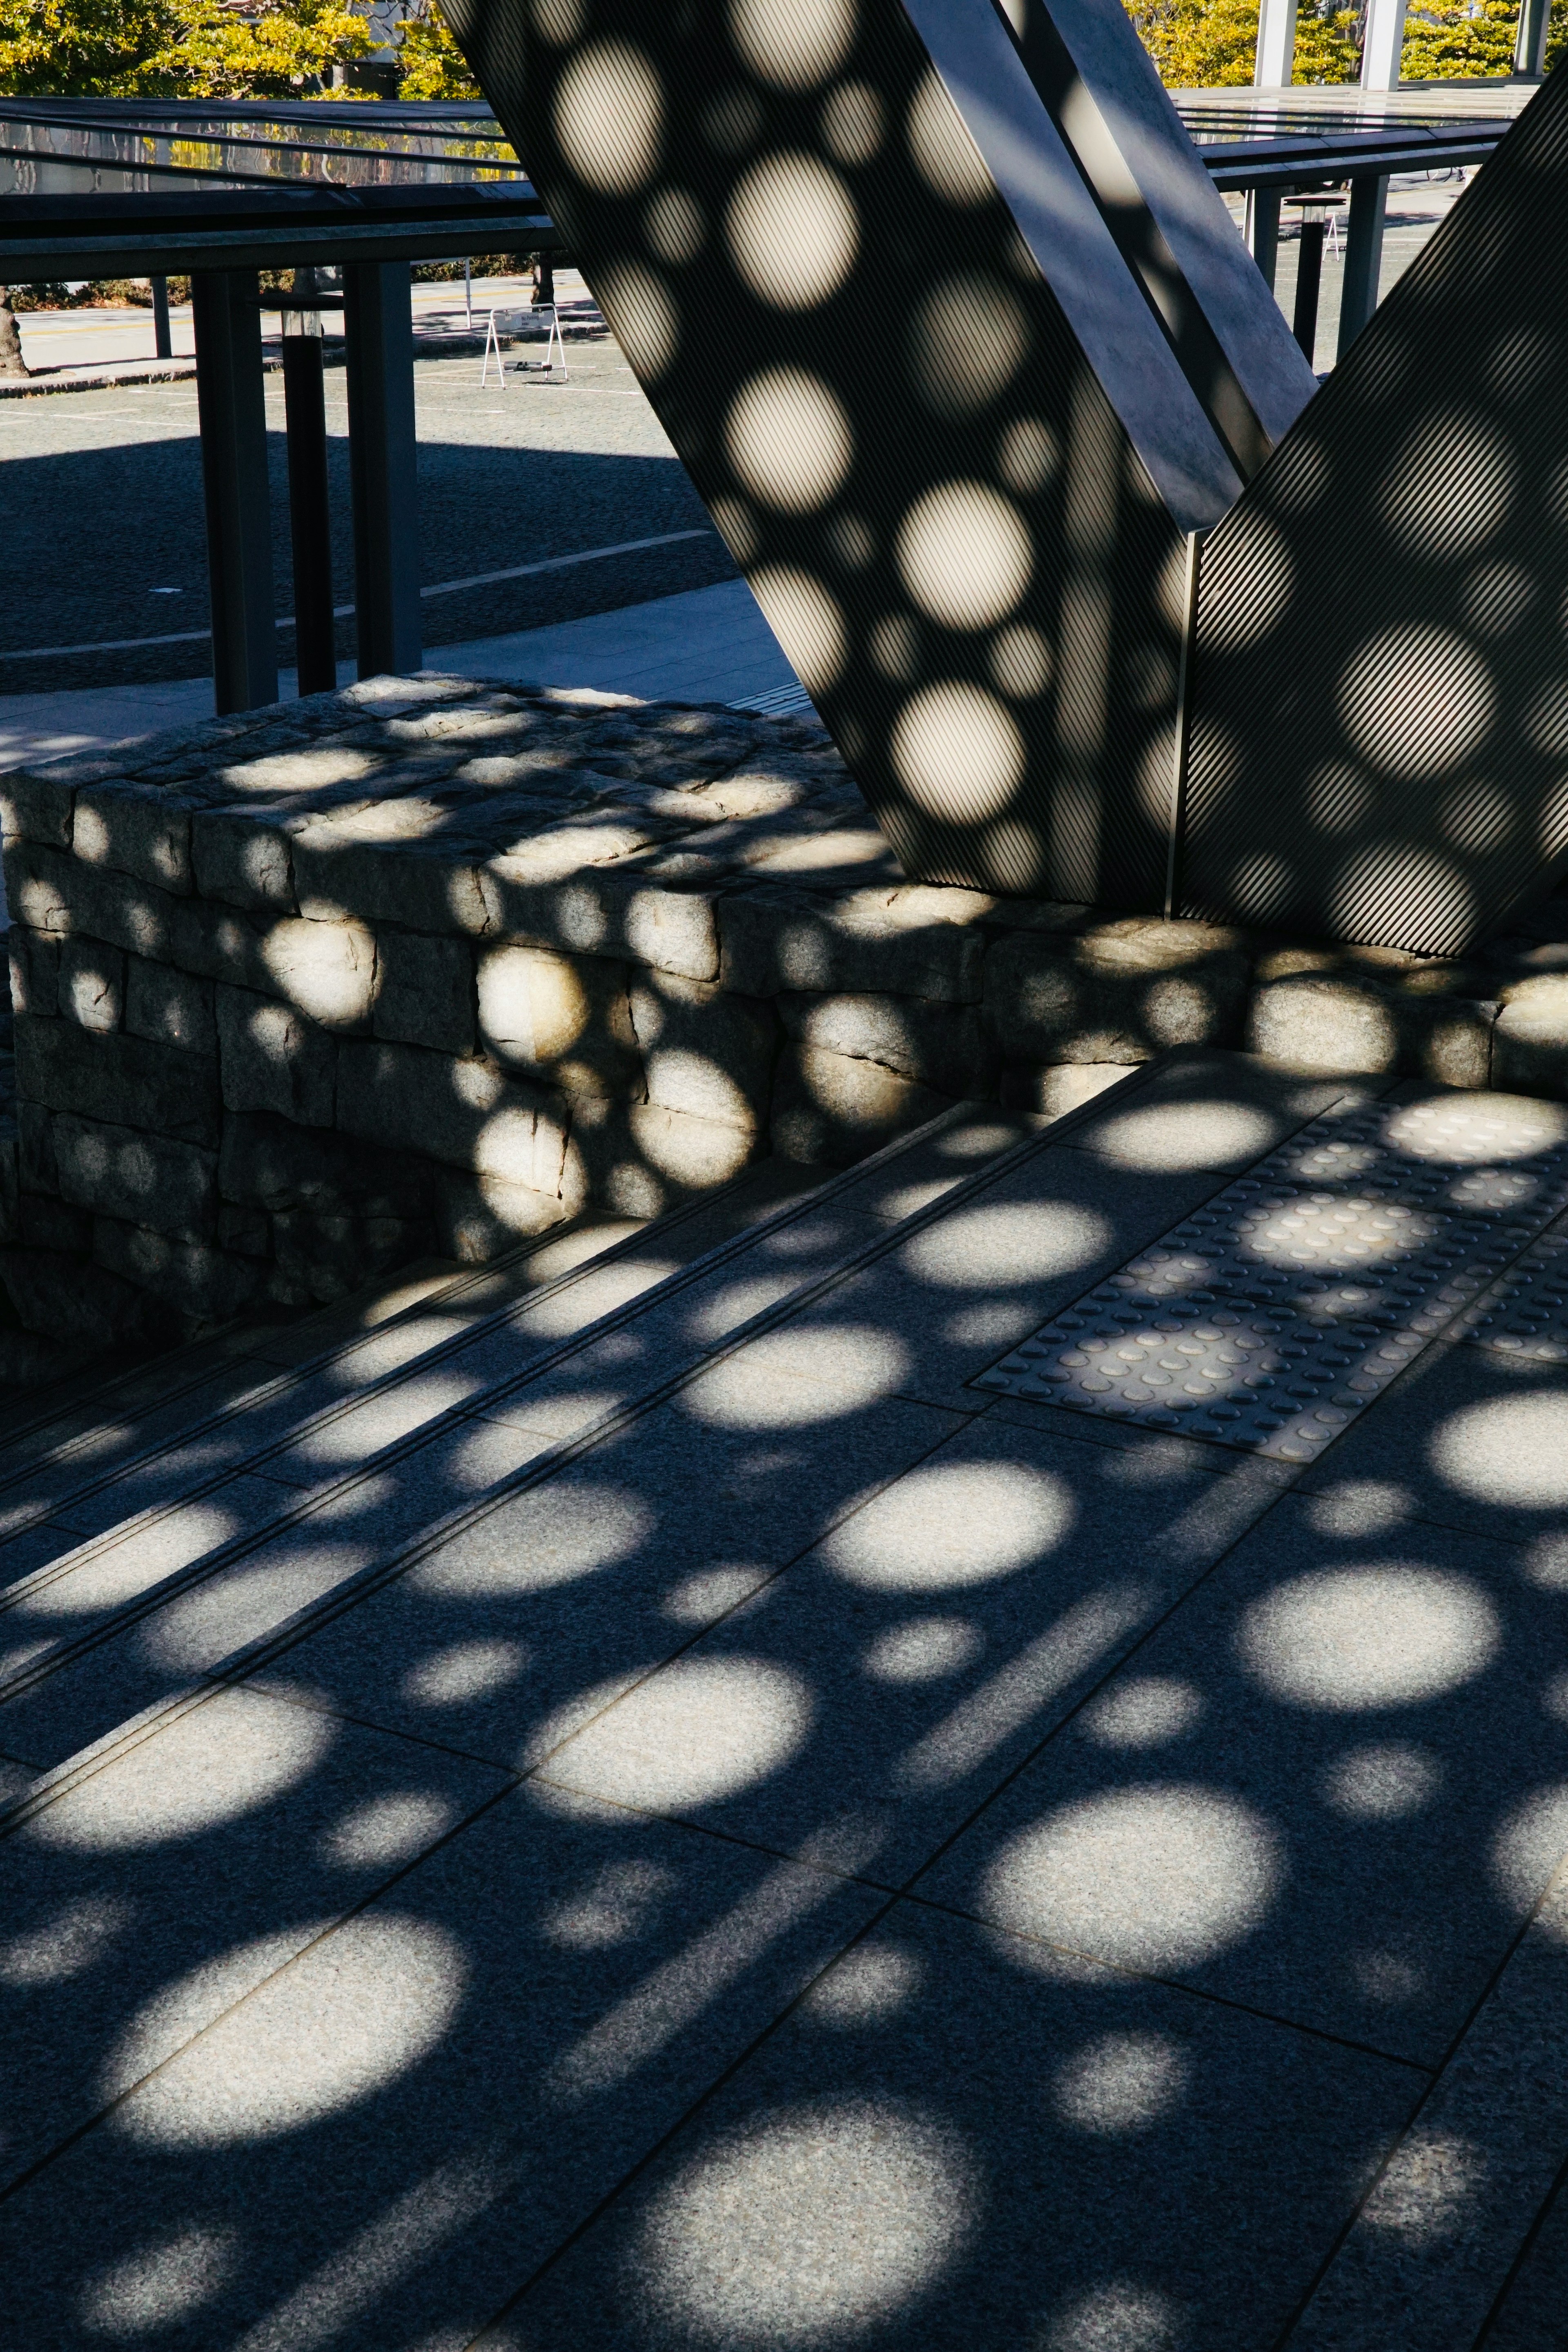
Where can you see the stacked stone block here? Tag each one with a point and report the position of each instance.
(427, 963)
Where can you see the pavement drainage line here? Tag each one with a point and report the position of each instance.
(54, 1657)
(296, 1376)
(340, 1597)
(1329, 1369)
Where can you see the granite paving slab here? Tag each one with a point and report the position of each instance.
(387, 2135)
(945, 2146)
(1328, 1786)
(154, 1892)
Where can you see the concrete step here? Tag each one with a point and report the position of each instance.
(404, 1426)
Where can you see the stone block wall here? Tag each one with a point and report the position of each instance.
(304, 992)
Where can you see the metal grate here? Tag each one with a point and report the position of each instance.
(1271, 1317)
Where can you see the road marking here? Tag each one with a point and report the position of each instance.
(340, 612)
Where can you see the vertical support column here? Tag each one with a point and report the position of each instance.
(232, 411)
(1308, 278)
(378, 317)
(1529, 41)
(1363, 257)
(163, 342)
(1384, 40)
(1262, 231)
(310, 519)
(1276, 45)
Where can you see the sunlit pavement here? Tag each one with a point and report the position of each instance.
(620, 1800)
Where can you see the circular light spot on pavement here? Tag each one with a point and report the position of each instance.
(1177, 1135)
(925, 1650)
(159, 2285)
(813, 2226)
(545, 1538)
(463, 1672)
(1005, 1243)
(1385, 1782)
(872, 1982)
(786, 1380)
(1349, 1638)
(385, 1831)
(1145, 1877)
(700, 1730)
(950, 1525)
(1143, 1712)
(1511, 1450)
(350, 2016)
(1123, 2083)
(213, 1767)
(1527, 1850)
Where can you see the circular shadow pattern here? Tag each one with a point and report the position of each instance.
(1344, 1639)
(1511, 1450)
(815, 2225)
(950, 1525)
(1161, 1877)
(213, 1767)
(700, 1730)
(356, 2012)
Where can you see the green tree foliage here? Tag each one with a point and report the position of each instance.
(1209, 43)
(173, 49)
(430, 63)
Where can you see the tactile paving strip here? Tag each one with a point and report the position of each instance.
(1270, 1319)
(1526, 1314)
(1460, 1157)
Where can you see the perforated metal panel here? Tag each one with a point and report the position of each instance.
(1379, 690)
(932, 412)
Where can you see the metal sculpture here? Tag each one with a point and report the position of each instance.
(981, 387)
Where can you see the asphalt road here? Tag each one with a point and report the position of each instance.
(105, 535)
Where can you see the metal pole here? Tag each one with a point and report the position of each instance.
(1363, 257)
(162, 342)
(232, 411)
(1263, 231)
(469, 290)
(1308, 276)
(309, 518)
(1384, 40)
(1529, 41)
(378, 321)
(1276, 54)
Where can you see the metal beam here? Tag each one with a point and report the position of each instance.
(310, 518)
(1529, 41)
(1364, 256)
(233, 415)
(378, 319)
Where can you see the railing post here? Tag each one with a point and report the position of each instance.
(309, 517)
(163, 342)
(1308, 278)
(1363, 257)
(378, 318)
(232, 410)
(1263, 231)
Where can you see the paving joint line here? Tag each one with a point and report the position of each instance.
(314, 1615)
(398, 1450)
(298, 1376)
